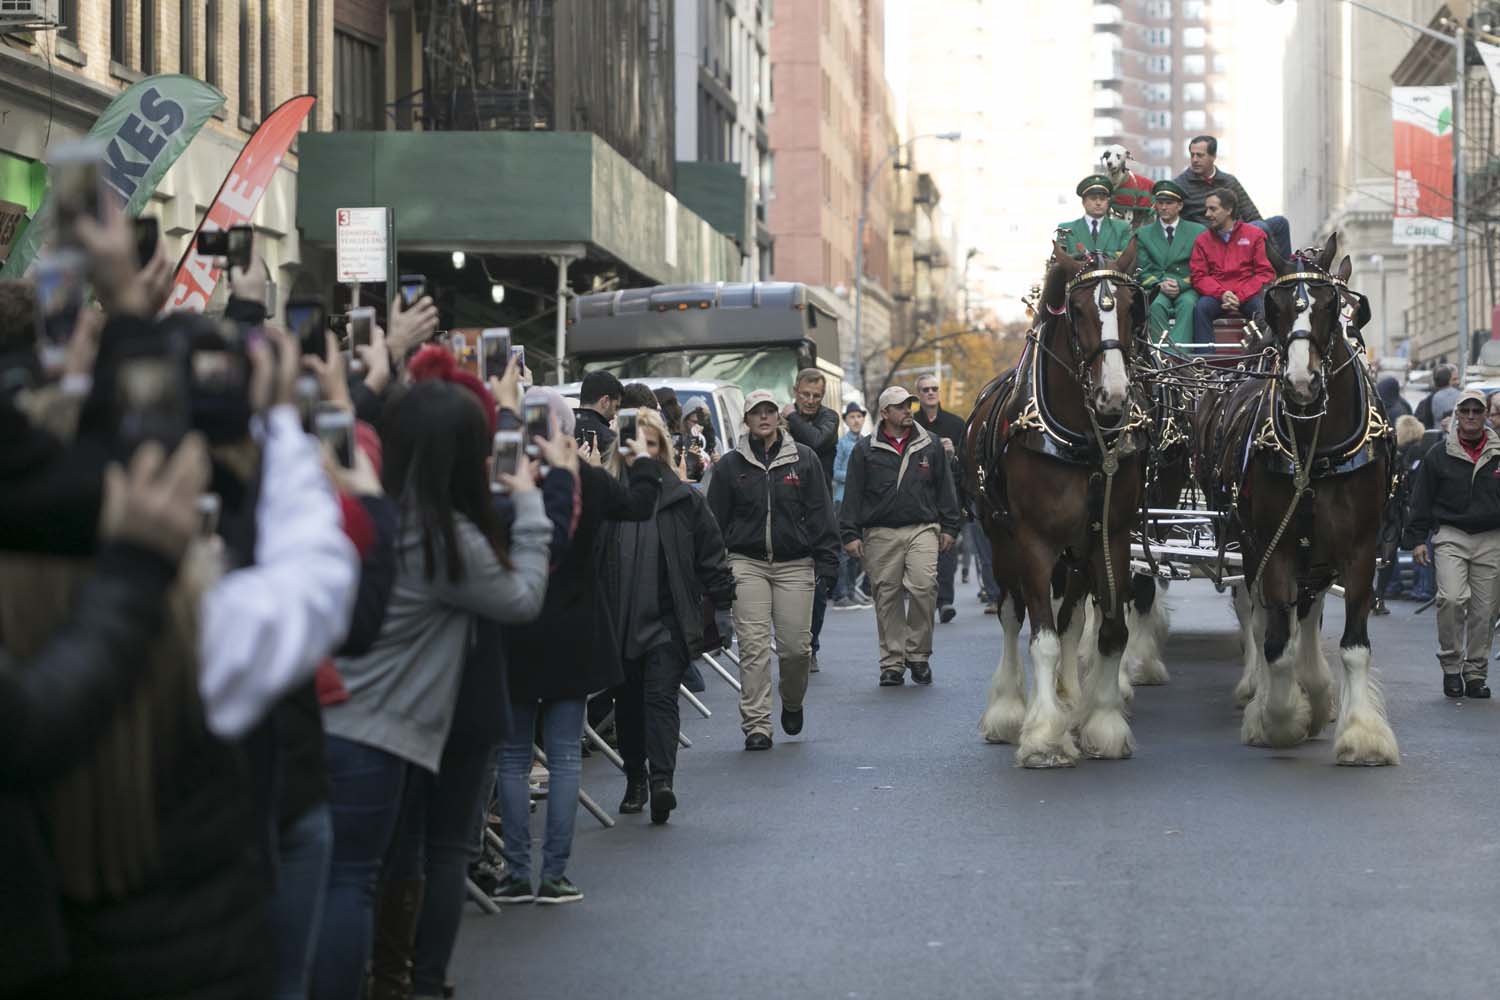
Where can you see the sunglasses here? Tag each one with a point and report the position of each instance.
(930, 388)
(1471, 411)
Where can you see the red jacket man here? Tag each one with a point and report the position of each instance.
(1229, 266)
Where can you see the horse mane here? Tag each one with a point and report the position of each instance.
(1054, 286)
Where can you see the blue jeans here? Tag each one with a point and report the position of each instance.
(1209, 309)
(984, 559)
(304, 849)
(365, 792)
(562, 733)
(1278, 232)
(820, 612)
(453, 803)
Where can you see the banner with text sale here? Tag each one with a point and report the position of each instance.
(144, 130)
(1422, 119)
(237, 198)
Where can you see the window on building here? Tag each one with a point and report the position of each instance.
(1159, 149)
(148, 38)
(247, 68)
(1221, 62)
(211, 67)
(1221, 92)
(267, 67)
(827, 183)
(358, 83)
(1194, 65)
(1157, 93)
(1194, 93)
(1160, 64)
(1159, 38)
(67, 17)
(1194, 121)
(1194, 38)
(1221, 119)
(119, 41)
(1193, 10)
(1160, 10)
(313, 53)
(1159, 119)
(185, 49)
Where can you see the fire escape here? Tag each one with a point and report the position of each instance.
(489, 65)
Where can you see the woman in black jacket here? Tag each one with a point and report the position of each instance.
(556, 663)
(770, 498)
(656, 573)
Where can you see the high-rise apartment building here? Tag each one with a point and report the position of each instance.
(1163, 72)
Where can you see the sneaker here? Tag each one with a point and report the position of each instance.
(845, 604)
(487, 877)
(791, 722)
(1453, 685)
(1380, 608)
(513, 889)
(758, 741)
(992, 608)
(812, 664)
(891, 677)
(947, 613)
(553, 891)
(921, 673)
(1475, 688)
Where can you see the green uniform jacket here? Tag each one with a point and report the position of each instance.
(1159, 262)
(1114, 236)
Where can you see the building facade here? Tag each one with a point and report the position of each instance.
(723, 90)
(259, 53)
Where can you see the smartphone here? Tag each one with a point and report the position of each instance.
(308, 322)
(459, 345)
(76, 180)
(361, 323)
(151, 403)
(147, 235)
(60, 281)
(271, 297)
(208, 515)
(413, 287)
(212, 243)
(519, 353)
(335, 426)
(538, 425)
(625, 427)
(240, 247)
(505, 459)
(494, 352)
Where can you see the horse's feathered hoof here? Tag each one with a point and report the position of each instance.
(1041, 759)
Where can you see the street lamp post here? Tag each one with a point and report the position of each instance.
(859, 247)
(1460, 182)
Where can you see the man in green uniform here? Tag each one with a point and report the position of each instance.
(1096, 232)
(1164, 249)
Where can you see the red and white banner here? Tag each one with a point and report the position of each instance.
(1423, 122)
(237, 198)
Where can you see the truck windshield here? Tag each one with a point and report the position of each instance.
(773, 368)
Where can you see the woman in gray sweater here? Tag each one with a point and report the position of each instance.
(453, 567)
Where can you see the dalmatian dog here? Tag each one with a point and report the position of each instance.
(1132, 198)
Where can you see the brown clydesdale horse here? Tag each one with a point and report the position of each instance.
(1300, 461)
(1054, 459)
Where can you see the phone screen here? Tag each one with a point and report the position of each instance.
(241, 242)
(538, 425)
(361, 321)
(147, 235)
(59, 298)
(75, 183)
(626, 423)
(305, 319)
(506, 457)
(413, 286)
(208, 514)
(213, 243)
(151, 402)
(494, 351)
(337, 428)
(519, 353)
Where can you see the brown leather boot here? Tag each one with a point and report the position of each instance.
(398, 906)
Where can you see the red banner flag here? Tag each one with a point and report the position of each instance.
(237, 198)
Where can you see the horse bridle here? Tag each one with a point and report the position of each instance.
(1104, 279)
(1302, 303)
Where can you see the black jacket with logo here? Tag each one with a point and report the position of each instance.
(886, 489)
(586, 422)
(775, 511)
(1453, 489)
(820, 433)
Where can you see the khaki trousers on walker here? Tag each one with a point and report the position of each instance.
(902, 564)
(1467, 567)
(771, 596)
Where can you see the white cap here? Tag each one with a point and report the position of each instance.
(896, 396)
(758, 397)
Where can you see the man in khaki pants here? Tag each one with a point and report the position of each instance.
(770, 497)
(900, 510)
(1457, 496)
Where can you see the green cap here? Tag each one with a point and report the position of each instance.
(1167, 189)
(1095, 182)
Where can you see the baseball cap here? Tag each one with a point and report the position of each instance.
(758, 397)
(896, 396)
(1470, 395)
(853, 407)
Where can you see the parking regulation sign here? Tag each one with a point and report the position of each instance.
(361, 245)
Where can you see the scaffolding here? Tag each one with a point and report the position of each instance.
(489, 66)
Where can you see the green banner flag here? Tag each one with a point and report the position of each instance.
(144, 130)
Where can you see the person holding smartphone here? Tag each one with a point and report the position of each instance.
(770, 497)
(657, 572)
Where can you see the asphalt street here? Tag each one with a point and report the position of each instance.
(889, 852)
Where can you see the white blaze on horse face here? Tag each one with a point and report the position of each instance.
(1113, 382)
(1299, 369)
